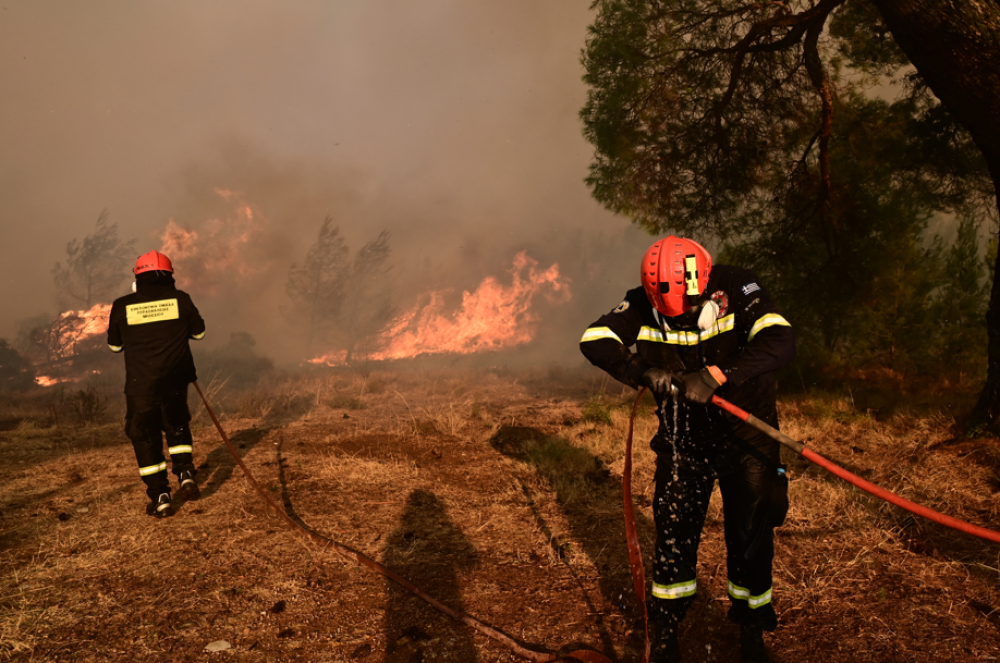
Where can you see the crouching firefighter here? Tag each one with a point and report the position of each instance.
(152, 326)
(702, 329)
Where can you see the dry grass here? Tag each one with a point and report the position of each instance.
(497, 491)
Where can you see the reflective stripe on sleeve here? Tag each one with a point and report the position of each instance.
(153, 469)
(744, 594)
(595, 333)
(678, 590)
(198, 337)
(180, 449)
(115, 348)
(765, 321)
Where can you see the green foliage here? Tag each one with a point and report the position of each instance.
(747, 127)
(95, 267)
(961, 307)
(864, 41)
(595, 411)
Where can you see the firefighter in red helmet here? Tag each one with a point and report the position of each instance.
(153, 326)
(700, 328)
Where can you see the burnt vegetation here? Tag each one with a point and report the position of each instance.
(498, 491)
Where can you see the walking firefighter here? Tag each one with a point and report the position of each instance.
(153, 326)
(702, 328)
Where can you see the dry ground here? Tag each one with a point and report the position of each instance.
(496, 491)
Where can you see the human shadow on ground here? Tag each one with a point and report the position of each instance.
(591, 500)
(429, 550)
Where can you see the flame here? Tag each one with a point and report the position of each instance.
(69, 335)
(73, 328)
(214, 252)
(338, 358)
(178, 243)
(49, 380)
(493, 317)
(46, 381)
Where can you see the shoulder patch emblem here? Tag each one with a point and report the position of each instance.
(621, 307)
(722, 301)
(750, 287)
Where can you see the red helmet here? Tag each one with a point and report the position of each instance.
(675, 272)
(154, 260)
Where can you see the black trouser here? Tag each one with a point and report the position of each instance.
(145, 418)
(754, 501)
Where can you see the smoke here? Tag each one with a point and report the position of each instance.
(226, 132)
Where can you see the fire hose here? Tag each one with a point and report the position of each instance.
(838, 471)
(585, 655)
(632, 538)
(631, 534)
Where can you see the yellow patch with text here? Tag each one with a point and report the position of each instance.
(163, 309)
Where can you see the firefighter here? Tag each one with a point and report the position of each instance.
(153, 327)
(699, 329)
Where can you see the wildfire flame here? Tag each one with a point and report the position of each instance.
(493, 317)
(68, 333)
(72, 328)
(46, 381)
(216, 250)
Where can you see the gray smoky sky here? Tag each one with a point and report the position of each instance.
(451, 123)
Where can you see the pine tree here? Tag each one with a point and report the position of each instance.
(345, 299)
(95, 269)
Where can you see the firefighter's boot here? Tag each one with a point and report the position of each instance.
(162, 507)
(189, 490)
(752, 645)
(665, 646)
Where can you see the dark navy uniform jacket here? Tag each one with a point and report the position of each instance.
(153, 326)
(748, 341)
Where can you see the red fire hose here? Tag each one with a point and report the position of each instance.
(632, 538)
(835, 469)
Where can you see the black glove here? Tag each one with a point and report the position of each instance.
(699, 386)
(658, 380)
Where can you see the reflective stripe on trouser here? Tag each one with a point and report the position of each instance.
(679, 509)
(146, 419)
(678, 590)
(743, 594)
(152, 469)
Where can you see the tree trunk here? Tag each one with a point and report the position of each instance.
(955, 45)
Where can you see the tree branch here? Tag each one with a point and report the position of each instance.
(809, 23)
